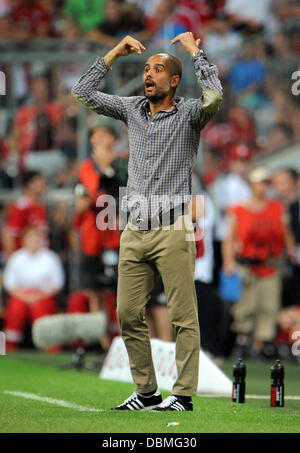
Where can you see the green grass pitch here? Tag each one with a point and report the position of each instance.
(38, 374)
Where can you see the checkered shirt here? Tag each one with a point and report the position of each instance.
(163, 147)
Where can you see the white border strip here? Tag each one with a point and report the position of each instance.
(56, 402)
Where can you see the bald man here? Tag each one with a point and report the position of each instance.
(164, 132)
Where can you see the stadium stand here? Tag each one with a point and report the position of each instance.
(46, 45)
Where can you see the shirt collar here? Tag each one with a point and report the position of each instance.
(178, 100)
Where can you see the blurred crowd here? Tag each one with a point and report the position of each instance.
(256, 46)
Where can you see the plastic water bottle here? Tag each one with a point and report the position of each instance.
(239, 385)
(277, 385)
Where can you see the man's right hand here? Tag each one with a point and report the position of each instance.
(229, 267)
(125, 47)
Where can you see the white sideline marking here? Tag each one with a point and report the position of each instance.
(77, 407)
(56, 402)
(253, 397)
(266, 397)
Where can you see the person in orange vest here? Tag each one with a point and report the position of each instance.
(102, 173)
(258, 232)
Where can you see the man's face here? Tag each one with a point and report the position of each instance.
(33, 240)
(40, 90)
(259, 189)
(38, 186)
(240, 166)
(102, 137)
(157, 78)
(283, 184)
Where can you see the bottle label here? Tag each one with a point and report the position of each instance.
(234, 392)
(280, 396)
(273, 396)
(277, 396)
(238, 393)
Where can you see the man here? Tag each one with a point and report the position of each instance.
(209, 304)
(233, 187)
(257, 234)
(222, 42)
(35, 124)
(27, 211)
(164, 135)
(32, 278)
(31, 20)
(284, 183)
(101, 173)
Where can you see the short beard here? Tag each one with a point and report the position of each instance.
(158, 97)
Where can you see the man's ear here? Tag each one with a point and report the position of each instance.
(175, 80)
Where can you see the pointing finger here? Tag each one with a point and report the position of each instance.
(175, 40)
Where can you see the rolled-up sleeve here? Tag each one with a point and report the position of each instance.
(86, 91)
(204, 108)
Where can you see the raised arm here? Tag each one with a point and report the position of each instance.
(204, 108)
(86, 90)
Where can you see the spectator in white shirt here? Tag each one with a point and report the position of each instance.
(222, 44)
(232, 188)
(209, 304)
(252, 16)
(32, 278)
(147, 7)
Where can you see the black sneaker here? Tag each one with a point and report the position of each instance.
(173, 403)
(138, 402)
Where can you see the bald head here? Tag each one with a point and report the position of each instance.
(174, 64)
(161, 77)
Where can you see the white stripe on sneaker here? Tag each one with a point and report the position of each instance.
(137, 404)
(130, 407)
(178, 406)
(140, 404)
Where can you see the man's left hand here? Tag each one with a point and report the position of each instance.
(188, 42)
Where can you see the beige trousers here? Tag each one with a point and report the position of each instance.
(168, 251)
(258, 309)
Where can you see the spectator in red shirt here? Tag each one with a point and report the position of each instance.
(6, 181)
(35, 125)
(27, 211)
(206, 9)
(239, 128)
(30, 20)
(243, 125)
